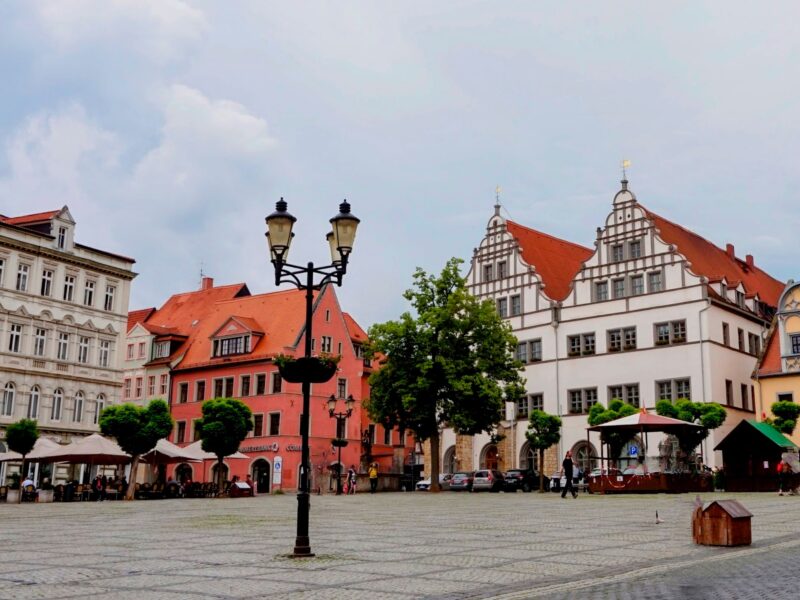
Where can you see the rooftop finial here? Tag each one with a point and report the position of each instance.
(625, 165)
(497, 191)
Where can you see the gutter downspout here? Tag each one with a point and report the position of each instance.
(558, 396)
(702, 362)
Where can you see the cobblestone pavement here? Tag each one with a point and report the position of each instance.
(450, 545)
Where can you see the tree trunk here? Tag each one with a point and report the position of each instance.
(22, 478)
(541, 470)
(434, 440)
(220, 475)
(132, 482)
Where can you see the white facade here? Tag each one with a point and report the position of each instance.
(660, 336)
(63, 313)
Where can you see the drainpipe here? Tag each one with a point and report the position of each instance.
(558, 397)
(702, 364)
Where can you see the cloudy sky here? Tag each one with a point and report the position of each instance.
(171, 127)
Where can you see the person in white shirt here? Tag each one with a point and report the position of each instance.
(28, 481)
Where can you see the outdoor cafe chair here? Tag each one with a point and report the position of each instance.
(58, 493)
(29, 494)
(3, 492)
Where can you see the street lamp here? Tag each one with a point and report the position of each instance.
(279, 236)
(340, 417)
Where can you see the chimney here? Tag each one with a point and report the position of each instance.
(749, 260)
(729, 250)
(207, 283)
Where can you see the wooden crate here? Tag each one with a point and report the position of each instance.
(722, 523)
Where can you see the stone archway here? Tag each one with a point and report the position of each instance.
(489, 457)
(449, 461)
(528, 458)
(261, 472)
(584, 455)
(184, 472)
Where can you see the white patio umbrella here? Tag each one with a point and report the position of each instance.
(195, 450)
(166, 452)
(42, 446)
(94, 449)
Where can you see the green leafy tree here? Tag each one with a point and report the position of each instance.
(544, 431)
(615, 440)
(21, 437)
(786, 413)
(225, 424)
(709, 415)
(136, 429)
(449, 364)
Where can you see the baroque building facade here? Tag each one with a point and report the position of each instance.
(653, 311)
(63, 313)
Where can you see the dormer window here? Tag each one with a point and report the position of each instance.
(62, 238)
(161, 350)
(740, 299)
(232, 345)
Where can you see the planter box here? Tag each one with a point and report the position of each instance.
(307, 370)
(13, 497)
(45, 495)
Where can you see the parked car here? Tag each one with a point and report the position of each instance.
(558, 481)
(410, 477)
(525, 480)
(488, 479)
(462, 481)
(444, 483)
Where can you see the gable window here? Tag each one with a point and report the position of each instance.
(200, 391)
(47, 282)
(516, 305)
(502, 307)
(654, 283)
(104, 353)
(62, 237)
(274, 423)
(58, 401)
(77, 413)
(142, 349)
(232, 345)
(108, 303)
(502, 269)
(740, 299)
(69, 288)
(619, 288)
(795, 342)
(635, 249)
(83, 350)
(341, 388)
(617, 253)
(39, 340)
(326, 344)
(14, 337)
(129, 355)
(261, 384)
(637, 285)
(258, 425)
(487, 273)
(88, 293)
(245, 385)
(601, 291)
(62, 350)
(327, 315)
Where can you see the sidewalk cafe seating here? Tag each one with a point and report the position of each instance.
(3, 492)
(29, 494)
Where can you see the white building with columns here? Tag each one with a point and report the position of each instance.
(652, 311)
(63, 316)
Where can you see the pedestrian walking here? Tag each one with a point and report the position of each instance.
(784, 470)
(351, 480)
(373, 478)
(97, 486)
(567, 468)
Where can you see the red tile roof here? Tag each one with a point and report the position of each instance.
(280, 315)
(139, 316)
(556, 261)
(357, 334)
(770, 361)
(181, 310)
(30, 219)
(715, 263)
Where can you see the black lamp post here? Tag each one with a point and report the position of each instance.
(340, 417)
(340, 239)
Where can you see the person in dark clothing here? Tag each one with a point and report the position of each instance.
(566, 470)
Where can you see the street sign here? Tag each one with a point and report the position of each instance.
(278, 468)
(633, 451)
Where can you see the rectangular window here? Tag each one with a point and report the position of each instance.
(619, 288)
(228, 387)
(142, 349)
(636, 249)
(795, 339)
(536, 350)
(39, 341)
(662, 333)
(502, 307)
(683, 389)
(129, 355)
(108, 303)
(487, 273)
(523, 407)
(218, 388)
(516, 305)
(277, 383)
(615, 393)
(88, 293)
(576, 401)
(614, 340)
(387, 436)
(326, 344)
(139, 386)
(161, 350)
(617, 253)
(740, 299)
(522, 352)
(630, 338)
(47, 282)
(274, 423)
(664, 390)
(183, 393)
(588, 343)
(339, 348)
(200, 391)
(62, 237)
(726, 334)
(637, 285)
(590, 397)
(244, 384)
(341, 428)
(673, 332)
(83, 350)
(536, 402)
(502, 269)
(69, 288)
(163, 383)
(195, 430)
(22, 278)
(258, 425)
(62, 351)
(104, 355)
(745, 400)
(574, 345)
(371, 433)
(632, 394)
(126, 393)
(654, 282)
(601, 291)
(341, 388)
(180, 435)
(2, 269)
(786, 397)
(261, 384)
(14, 337)
(151, 386)
(741, 339)
(233, 345)
(728, 392)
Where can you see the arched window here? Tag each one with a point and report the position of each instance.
(33, 404)
(489, 458)
(584, 455)
(9, 393)
(449, 462)
(99, 406)
(58, 401)
(528, 458)
(77, 414)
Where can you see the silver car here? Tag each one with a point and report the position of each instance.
(488, 479)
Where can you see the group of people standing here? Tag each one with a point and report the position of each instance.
(351, 479)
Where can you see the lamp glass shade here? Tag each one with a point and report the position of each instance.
(279, 230)
(332, 404)
(344, 228)
(350, 402)
(336, 256)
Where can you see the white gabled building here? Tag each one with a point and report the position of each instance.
(652, 311)
(63, 315)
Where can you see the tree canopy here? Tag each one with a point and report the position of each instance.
(709, 415)
(22, 435)
(137, 429)
(617, 409)
(225, 424)
(449, 364)
(786, 413)
(544, 431)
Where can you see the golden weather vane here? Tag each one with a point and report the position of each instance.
(625, 165)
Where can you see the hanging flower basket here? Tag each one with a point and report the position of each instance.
(311, 370)
(339, 443)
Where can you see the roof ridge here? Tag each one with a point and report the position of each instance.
(552, 237)
(265, 294)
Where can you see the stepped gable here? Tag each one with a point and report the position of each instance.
(556, 261)
(280, 315)
(715, 263)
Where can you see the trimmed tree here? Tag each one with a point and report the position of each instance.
(786, 413)
(449, 364)
(137, 429)
(21, 437)
(544, 431)
(617, 409)
(709, 415)
(225, 424)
